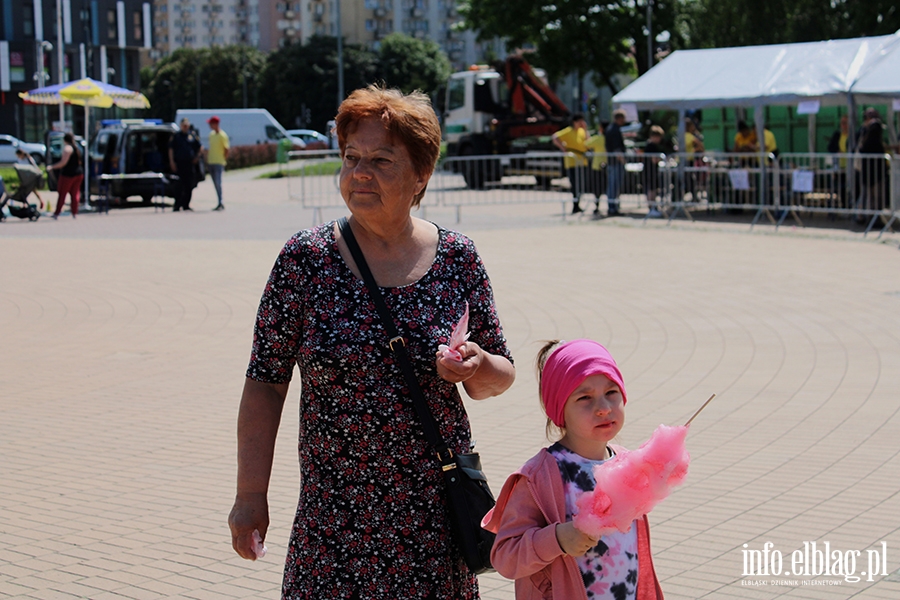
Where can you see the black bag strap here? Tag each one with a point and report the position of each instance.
(398, 347)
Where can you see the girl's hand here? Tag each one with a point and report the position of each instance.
(456, 371)
(573, 541)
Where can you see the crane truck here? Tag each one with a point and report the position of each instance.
(506, 110)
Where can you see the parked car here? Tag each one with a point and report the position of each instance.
(313, 139)
(9, 145)
(138, 148)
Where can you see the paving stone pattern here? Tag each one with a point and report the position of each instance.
(125, 337)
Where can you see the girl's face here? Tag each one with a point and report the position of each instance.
(594, 414)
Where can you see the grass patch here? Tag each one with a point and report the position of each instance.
(329, 167)
(11, 179)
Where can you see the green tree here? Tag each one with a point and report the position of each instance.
(725, 23)
(305, 76)
(580, 36)
(227, 78)
(411, 64)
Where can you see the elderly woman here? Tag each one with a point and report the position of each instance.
(372, 519)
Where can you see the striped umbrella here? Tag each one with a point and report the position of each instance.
(87, 92)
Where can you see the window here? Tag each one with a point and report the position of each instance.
(111, 32)
(456, 94)
(138, 26)
(272, 133)
(28, 19)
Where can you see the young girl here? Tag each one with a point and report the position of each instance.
(582, 392)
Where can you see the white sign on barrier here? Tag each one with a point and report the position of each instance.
(740, 179)
(802, 181)
(808, 107)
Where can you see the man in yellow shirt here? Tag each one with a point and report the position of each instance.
(596, 144)
(217, 156)
(571, 140)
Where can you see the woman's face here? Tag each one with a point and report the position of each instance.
(377, 176)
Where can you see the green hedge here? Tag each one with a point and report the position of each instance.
(240, 157)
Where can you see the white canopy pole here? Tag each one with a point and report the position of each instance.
(759, 115)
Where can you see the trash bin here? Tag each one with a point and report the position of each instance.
(281, 153)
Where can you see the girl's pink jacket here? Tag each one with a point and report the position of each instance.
(531, 504)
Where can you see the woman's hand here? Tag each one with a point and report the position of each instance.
(482, 374)
(456, 371)
(573, 541)
(249, 513)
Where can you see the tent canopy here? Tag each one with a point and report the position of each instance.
(754, 76)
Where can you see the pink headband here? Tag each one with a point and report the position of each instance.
(569, 365)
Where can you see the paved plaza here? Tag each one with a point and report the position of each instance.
(125, 338)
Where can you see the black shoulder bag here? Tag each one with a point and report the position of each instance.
(468, 496)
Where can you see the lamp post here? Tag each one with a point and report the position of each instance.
(649, 34)
(340, 51)
(41, 76)
(60, 68)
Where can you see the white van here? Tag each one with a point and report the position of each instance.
(244, 126)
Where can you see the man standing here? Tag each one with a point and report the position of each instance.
(184, 153)
(217, 156)
(615, 147)
(571, 140)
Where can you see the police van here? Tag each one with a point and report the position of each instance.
(133, 154)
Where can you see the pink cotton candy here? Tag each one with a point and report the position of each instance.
(257, 546)
(458, 337)
(632, 482)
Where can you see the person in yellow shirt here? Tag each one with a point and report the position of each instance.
(217, 156)
(770, 144)
(839, 144)
(745, 139)
(693, 145)
(571, 140)
(596, 185)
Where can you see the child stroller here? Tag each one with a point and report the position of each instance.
(30, 178)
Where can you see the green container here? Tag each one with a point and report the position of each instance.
(281, 153)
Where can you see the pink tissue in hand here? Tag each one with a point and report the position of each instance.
(458, 337)
(257, 546)
(632, 482)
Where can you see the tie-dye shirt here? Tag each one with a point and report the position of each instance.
(609, 569)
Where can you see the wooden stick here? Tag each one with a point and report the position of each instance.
(699, 409)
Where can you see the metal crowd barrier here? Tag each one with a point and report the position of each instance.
(536, 177)
(853, 186)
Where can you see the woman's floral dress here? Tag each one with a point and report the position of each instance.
(371, 522)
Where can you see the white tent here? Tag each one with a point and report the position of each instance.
(832, 72)
(755, 76)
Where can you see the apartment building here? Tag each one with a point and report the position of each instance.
(108, 40)
(269, 24)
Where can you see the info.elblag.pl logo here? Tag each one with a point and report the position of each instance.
(816, 560)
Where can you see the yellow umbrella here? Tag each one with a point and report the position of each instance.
(87, 92)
